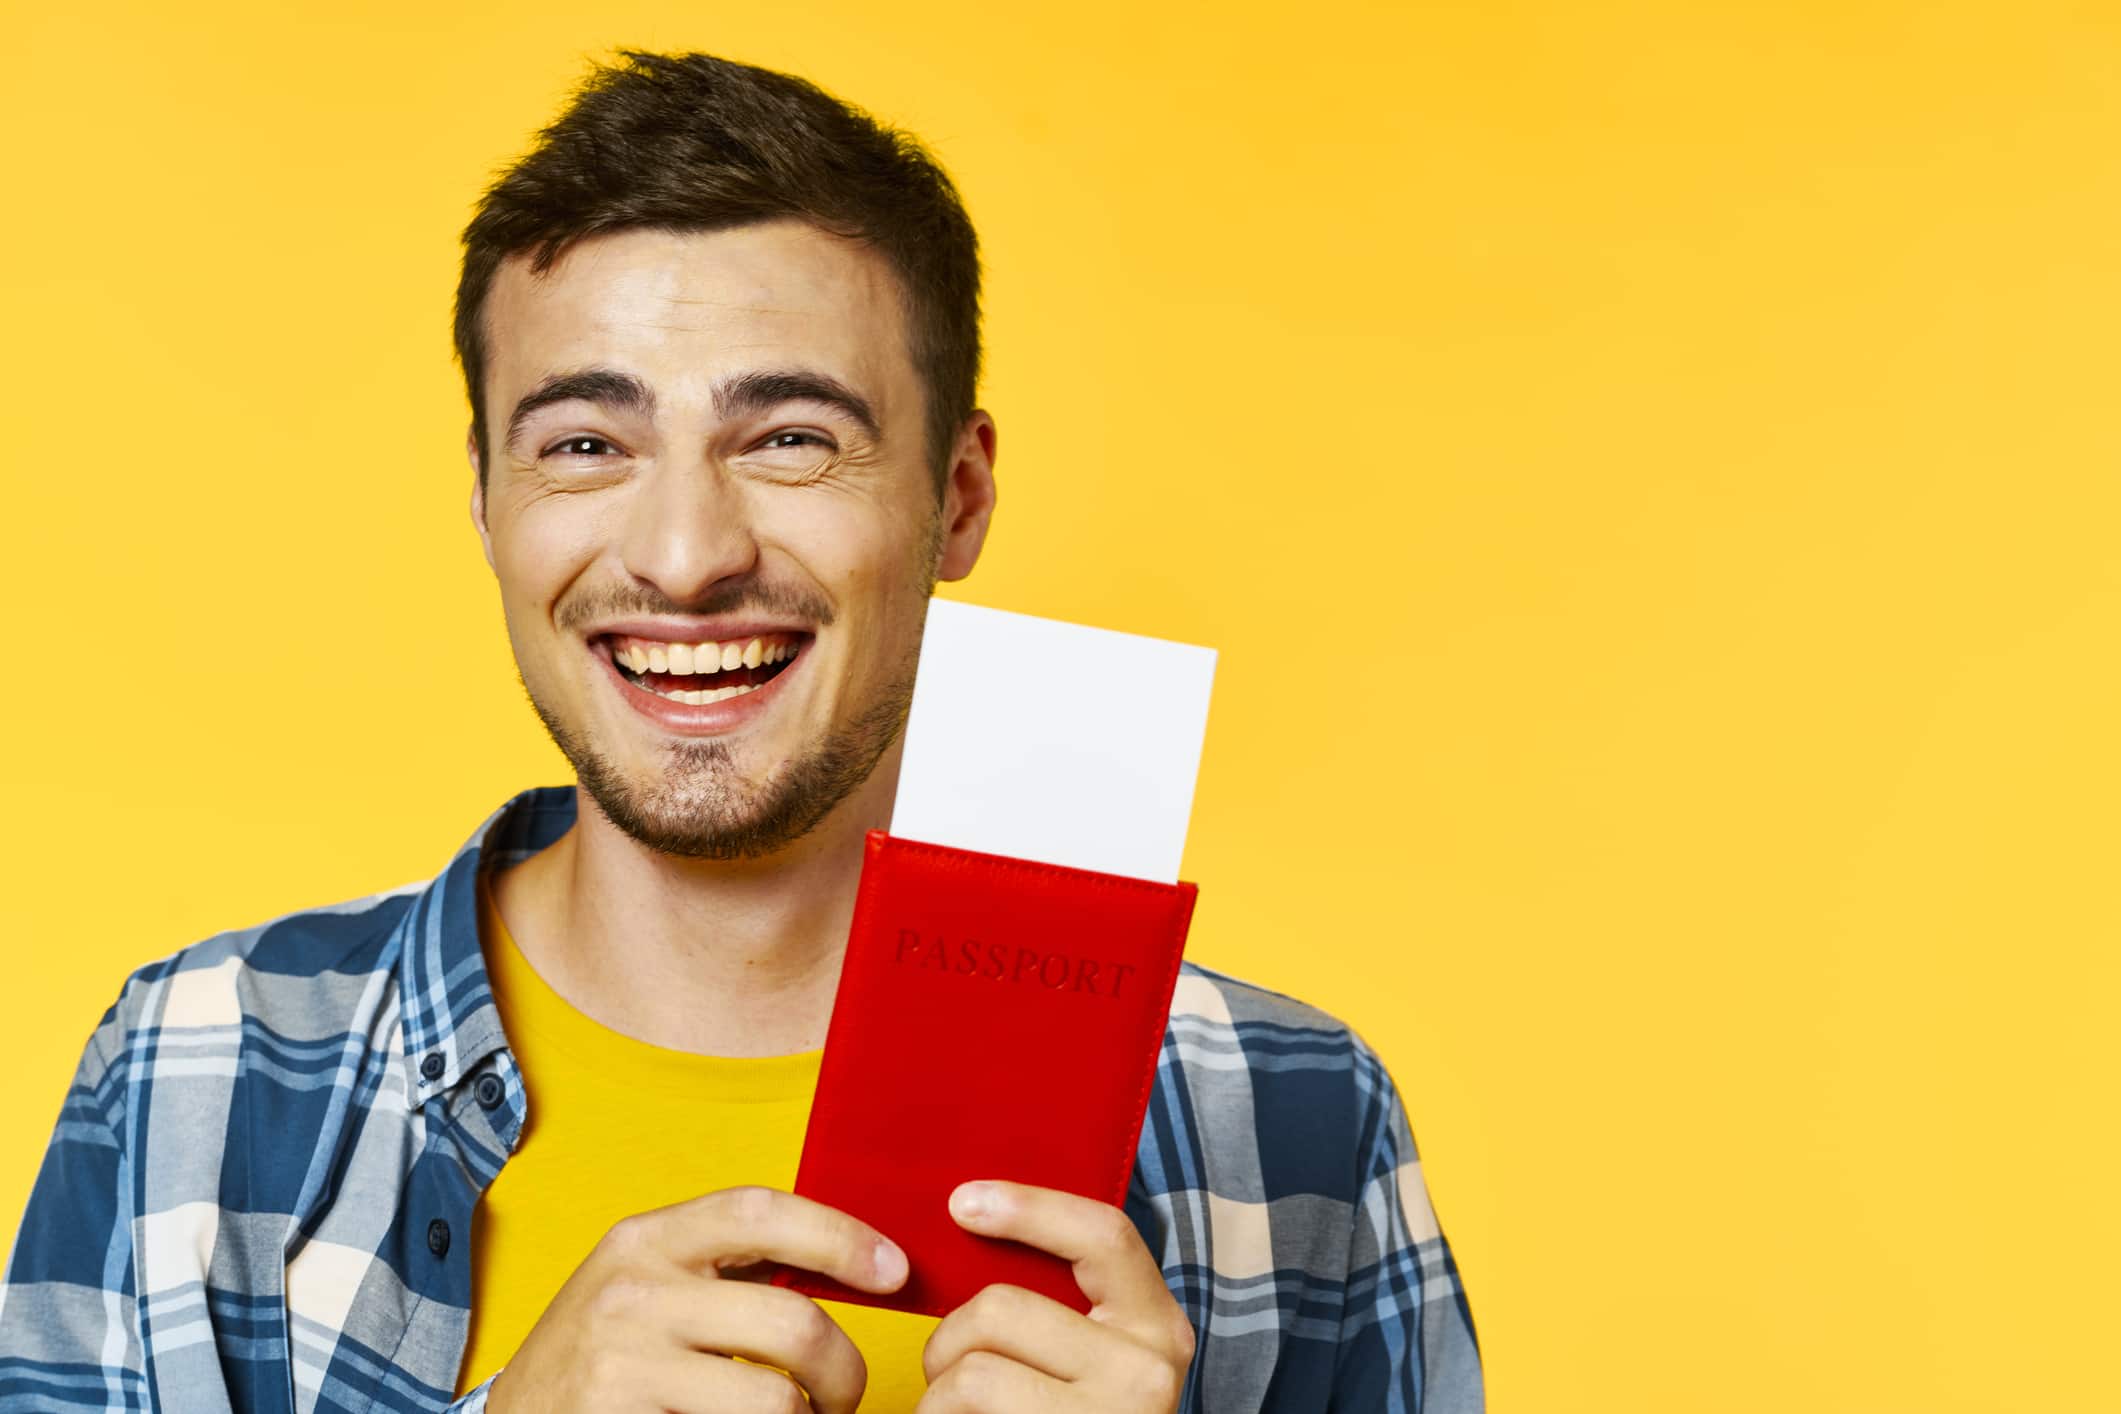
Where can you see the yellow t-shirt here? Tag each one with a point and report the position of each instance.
(618, 1126)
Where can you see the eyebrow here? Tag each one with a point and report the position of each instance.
(747, 394)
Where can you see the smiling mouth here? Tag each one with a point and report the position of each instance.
(700, 673)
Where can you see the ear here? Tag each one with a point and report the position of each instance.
(968, 496)
(478, 496)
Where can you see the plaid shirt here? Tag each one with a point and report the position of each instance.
(259, 1193)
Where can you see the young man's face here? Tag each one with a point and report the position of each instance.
(738, 455)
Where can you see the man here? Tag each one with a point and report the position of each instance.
(519, 1140)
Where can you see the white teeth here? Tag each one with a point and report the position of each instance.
(700, 659)
(703, 658)
(703, 696)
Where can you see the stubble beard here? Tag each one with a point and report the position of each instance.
(701, 807)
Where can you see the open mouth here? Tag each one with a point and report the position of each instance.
(700, 673)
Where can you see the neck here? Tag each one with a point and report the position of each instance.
(730, 958)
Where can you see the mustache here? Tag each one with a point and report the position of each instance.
(726, 597)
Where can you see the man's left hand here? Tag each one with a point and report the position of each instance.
(1012, 1351)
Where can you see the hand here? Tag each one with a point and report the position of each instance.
(1013, 1351)
(649, 1320)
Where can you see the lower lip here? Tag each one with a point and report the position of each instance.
(699, 719)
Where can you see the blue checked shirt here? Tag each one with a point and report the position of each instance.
(259, 1193)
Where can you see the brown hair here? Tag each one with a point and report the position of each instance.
(692, 142)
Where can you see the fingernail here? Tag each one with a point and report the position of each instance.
(890, 1263)
(972, 1201)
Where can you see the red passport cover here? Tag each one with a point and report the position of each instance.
(996, 1018)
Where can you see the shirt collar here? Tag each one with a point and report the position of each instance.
(447, 1000)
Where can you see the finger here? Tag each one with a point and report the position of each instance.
(688, 1382)
(775, 1327)
(1112, 1264)
(738, 1227)
(983, 1383)
(1025, 1326)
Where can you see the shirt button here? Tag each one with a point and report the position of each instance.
(490, 1091)
(438, 1238)
(432, 1065)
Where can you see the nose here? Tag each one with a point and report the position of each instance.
(689, 525)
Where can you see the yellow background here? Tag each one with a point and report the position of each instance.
(1649, 470)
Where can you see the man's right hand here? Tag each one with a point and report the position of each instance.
(650, 1319)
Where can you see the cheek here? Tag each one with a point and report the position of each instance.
(863, 560)
(850, 548)
(538, 552)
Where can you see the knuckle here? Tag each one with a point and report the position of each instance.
(1183, 1341)
(988, 1310)
(995, 1306)
(806, 1331)
(621, 1299)
(628, 1236)
(1008, 1306)
(757, 1389)
(1116, 1231)
(974, 1381)
(1167, 1384)
(929, 1372)
(787, 1399)
(749, 1204)
(1149, 1379)
(983, 1369)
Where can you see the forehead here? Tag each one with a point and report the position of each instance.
(682, 308)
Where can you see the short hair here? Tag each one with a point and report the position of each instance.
(690, 142)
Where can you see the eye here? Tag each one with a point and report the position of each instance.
(794, 439)
(791, 454)
(576, 446)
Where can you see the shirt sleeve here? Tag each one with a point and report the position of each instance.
(69, 1330)
(1407, 1343)
(473, 1400)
